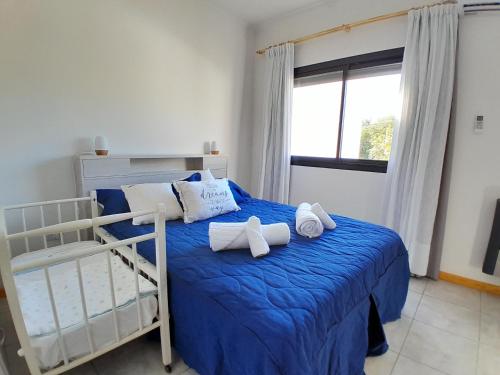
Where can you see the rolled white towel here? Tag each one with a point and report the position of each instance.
(258, 245)
(228, 236)
(327, 221)
(306, 222)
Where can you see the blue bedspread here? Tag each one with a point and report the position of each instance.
(303, 309)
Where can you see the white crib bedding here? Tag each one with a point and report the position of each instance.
(37, 312)
(49, 353)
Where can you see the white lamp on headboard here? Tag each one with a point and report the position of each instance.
(213, 148)
(101, 145)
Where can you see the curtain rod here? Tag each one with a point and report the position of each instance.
(349, 26)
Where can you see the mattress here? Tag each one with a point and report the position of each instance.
(49, 353)
(311, 307)
(37, 312)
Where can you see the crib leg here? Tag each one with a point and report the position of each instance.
(168, 368)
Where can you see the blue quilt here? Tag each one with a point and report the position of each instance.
(314, 306)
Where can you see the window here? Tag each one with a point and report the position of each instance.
(315, 121)
(344, 112)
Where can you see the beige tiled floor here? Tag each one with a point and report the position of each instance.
(445, 329)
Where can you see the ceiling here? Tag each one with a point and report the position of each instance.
(255, 11)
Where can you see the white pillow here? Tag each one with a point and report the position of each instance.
(205, 199)
(206, 175)
(147, 197)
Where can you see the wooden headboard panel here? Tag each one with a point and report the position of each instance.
(108, 172)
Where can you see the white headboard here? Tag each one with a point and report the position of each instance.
(108, 172)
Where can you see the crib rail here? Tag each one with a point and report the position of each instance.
(52, 229)
(46, 203)
(42, 214)
(72, 226)
(76, 255)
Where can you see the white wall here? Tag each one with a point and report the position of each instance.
(475, 175)
(348, 193)
(152, 76)
(475, 169)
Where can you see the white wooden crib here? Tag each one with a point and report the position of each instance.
(65, 301)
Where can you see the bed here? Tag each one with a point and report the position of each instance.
(315, 306)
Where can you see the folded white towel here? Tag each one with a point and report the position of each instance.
(228, 236)
(258, 245)
(327, 221)
(306, 222)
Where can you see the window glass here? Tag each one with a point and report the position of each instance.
(316, 113)
(372, 108)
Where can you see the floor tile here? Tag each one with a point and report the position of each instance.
(17, 365)
(452, 293)
(190, 371)
(412, 301)
(3, 305)
(452, 318)
(140, 356)
(418, 284)
(440, 350)
(178, 364)
(407, 366)
(7, 326)
(490, 330)
(396, 332)
(86, 369)
(490, 304)
(381, 365)
(488, 360)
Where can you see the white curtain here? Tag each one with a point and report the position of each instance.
(415, 168)
(275, 169)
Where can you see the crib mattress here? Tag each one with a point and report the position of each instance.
(35, 304)
(49, 353)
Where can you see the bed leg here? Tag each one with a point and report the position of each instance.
(168, 368)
